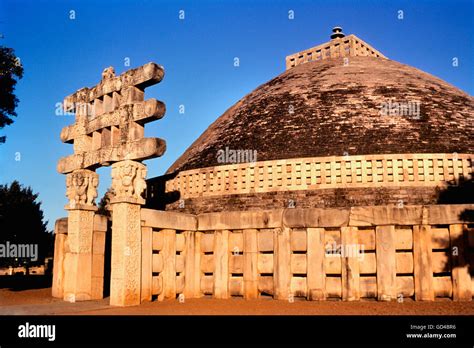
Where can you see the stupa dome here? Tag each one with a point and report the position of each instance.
(342, 126)
(326, 108)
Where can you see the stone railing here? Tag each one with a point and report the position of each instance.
(382, 252)
(344, 47)
(323, 172)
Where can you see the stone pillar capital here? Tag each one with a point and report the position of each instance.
(128, 182)
(81, 189)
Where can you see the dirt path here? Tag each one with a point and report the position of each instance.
(39, 301)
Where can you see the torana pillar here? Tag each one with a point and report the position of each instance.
(81, 191)
(128, 183)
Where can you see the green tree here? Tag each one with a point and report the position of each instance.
(104, 204)
(22, 222)
(11, 70)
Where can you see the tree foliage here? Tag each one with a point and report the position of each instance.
(22, 221)
(11, 70)
(104, 203)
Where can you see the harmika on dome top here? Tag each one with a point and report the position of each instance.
(341, 117)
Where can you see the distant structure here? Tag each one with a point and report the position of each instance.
(339, 46)
(322, 183)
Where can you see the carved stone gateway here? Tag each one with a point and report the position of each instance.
(110, 119)
(109, 130)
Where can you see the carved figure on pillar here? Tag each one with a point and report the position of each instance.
(81, 188)
(128, 182)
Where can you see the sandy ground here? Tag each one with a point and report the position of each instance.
(39, 301)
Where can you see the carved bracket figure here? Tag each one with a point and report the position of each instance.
(81, 188)
(128, 182)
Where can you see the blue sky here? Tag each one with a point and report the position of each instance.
(61, 55)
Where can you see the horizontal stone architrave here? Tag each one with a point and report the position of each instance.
(447, 213)
(391, 170)
(169, 220)
(240, 220)
(133, 150)
(294, 218)
(317, 217)
(144, 76)
(408, 215)
(386, 215)
(140, 112)
(307, 218)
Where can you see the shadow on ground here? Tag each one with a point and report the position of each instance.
(25, 282)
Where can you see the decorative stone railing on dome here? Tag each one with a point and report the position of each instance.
(323, 172)
(347, 46)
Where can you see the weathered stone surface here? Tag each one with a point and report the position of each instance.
(240, 220)
(136, 150)
(461, 272)
(325, 198)
(128, 182)
(422, 258)
(58, 266)
(80, 229)
(310, 217)
(172, 220)
(81, 188)
(447, 214)
(126, 255)
(316, 273)
(385, 215)
(350, 272)
(98, 251)
(343, 46)
(145, 111)
(386, 263)
(316, 217)
(60, 227)
(110, 120)
(78, 277)
(100, 223)
(77, 264)
(142, 77)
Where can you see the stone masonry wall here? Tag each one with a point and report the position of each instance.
(306, 199)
